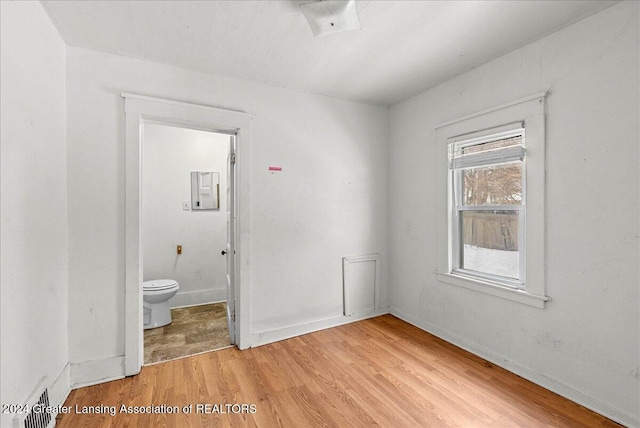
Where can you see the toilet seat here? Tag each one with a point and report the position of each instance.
(159, 284)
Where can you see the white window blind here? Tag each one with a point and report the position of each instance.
(462, 158)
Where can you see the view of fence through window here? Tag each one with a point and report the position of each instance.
(489, 236)
(490, 242)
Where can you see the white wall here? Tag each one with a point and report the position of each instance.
(585, 343)
(34, 206)
(329, 201)
(170, 154)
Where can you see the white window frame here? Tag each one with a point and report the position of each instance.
(528, 113)
(496, 157)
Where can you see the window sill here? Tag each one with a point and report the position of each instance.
(494, 289)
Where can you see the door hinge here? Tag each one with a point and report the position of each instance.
(232, 159)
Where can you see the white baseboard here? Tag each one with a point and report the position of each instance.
(92, 372)
(61, 387)
(551, 384)
(275, 335)
(201, 297)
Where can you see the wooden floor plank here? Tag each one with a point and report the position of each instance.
(342, 407)
(379, 372)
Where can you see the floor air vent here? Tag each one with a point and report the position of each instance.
(39, 419)
(39, 409)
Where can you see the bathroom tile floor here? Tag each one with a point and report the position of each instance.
(193, 330)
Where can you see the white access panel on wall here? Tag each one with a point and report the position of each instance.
(359, 275)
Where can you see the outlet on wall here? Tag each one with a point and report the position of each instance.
(186, 206)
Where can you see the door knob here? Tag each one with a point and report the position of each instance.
(224, 252)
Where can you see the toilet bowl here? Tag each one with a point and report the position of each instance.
(155, 301)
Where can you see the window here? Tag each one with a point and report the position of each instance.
(488, 207)
(491, 201)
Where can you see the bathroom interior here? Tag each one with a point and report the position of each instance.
(184, 234)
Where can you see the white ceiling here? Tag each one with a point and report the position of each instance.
(404, 47)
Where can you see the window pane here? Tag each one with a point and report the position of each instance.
(490, 242)
(492, 185)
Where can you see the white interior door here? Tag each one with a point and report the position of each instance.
(230, 250)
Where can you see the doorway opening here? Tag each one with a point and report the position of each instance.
(187, 204)
(141, 110)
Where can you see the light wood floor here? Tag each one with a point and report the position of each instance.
(379, 372)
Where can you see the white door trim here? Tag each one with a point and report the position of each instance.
(138, 110)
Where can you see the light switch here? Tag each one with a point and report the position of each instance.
(186, 206)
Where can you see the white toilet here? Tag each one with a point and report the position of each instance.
(155, 296)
